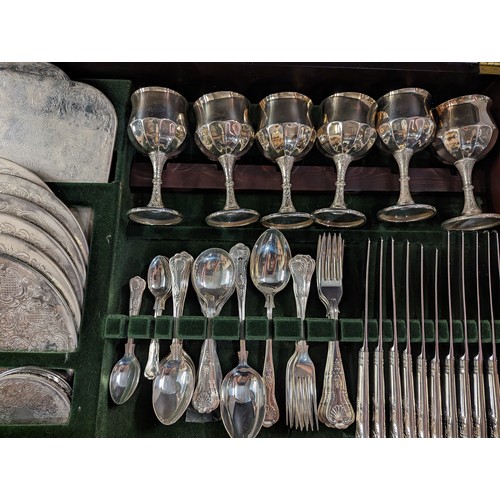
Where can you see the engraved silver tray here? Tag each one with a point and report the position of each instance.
(28, 232)
(34, 316)
(64, 131)
(33, 213)
(32, 395)
(27, 190)
(24, 252)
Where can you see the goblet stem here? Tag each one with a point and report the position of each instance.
(465, 167)
(286, 163)
(403, 159)
(342, 161)
(228, 161)
(158, 160)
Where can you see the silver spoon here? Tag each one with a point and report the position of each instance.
(160, 286)
(173, 387)
(213, 277)
(242, 393)
(126, 372)
(270, 273)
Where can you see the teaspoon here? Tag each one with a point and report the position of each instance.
(173, 387)
(126, 372)
(160, 286)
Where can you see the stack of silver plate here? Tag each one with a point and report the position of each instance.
(43, 265)
(32, 395)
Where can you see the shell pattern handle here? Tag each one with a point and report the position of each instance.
(240, 254)
(180, 269)
(137, 286)
(302, 269)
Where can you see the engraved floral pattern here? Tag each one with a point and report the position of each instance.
(33, 317)
(62, 130)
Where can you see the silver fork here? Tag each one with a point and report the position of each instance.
(335, 409)
(301, 399)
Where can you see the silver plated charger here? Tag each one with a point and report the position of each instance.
(32, 395)
(31, 212)
(64, 131)
(20, 250)
(47, 200)
(28, 232)
(33, 314)
(12, 168)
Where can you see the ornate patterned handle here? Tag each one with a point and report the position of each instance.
(302, 269)
(240, 254)
(436, 415)
(493, 398)
(378, 395)
(272, 411)
(450, 429)
(479, 408)
(395, 398)
(137, 286)
(410, 424)
(422, 399)
(206, 393)
(363, 395)
(465, 429)
(180, 268)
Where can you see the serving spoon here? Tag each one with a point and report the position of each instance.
(242, 393)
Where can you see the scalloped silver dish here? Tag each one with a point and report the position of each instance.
(20, 250)
(12, 168)
(34, 315)
(64, 131)
(32, 395)
(33, 213)
(27, 190)
(28, 232)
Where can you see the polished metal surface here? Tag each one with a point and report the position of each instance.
(396, 425)
(347, 133)
(61, 130)
(378, 414)
(157, 128)
(174, 385)
(34, 396)
(213, 277)
(126, 373)
(12, 168)
(422, 405)
(26, 190)
(35, 315)
(335, 408)
(270, 273)
(405, 126)
(300, 377)
(224, 133)
(465, 134)
(363, 386)
(286, 134)
(160, 285)
(242, 393)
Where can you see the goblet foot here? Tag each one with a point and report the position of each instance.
(474, 222)
(406, 213)
(339, 217)
(232, 218)
(152, 216)
(287, 220)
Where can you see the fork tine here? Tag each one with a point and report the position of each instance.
(329, 260)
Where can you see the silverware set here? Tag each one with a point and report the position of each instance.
(450, 399)
(459, 131)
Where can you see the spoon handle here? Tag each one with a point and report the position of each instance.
(180, 270)
(153, 364)
(240, 254)
(137, 286)
(301, 269)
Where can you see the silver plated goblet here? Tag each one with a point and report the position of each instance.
(224, 133)
(286, 134)
(157, 128)
(405, 126)
(465, 134)
(347, 133)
